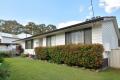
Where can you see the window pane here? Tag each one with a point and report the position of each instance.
(48, 41)
(80, 36)
(53, 40)
(77, 37)
(41, 42)
(88, 36)
(68, 38)
(29, 44)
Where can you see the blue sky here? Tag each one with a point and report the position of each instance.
(58, 12)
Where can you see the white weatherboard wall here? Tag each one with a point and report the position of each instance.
(36, 43)
(97, 34)
(22, 44)
(109, 36)
(29, 51)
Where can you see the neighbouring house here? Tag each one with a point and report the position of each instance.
(102, 30)
(7, 40)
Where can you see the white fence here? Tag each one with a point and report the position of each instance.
(115, 58)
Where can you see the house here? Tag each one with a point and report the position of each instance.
(102, 30)
(7, 40)
(23, 35)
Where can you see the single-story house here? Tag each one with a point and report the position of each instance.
(7, 40)
(103, 30)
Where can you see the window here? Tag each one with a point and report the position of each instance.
(51, 41)
(81, 36)
(29, 44)
(68, 38)
(74, 37)
(41, 42)
(118, 42)
(77, 37)
(88, 36)
(48, 41)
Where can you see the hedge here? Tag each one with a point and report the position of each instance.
(5, 53)
(88, 56)
(1, 60)
(4, 72)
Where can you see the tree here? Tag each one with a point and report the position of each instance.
(12, 26)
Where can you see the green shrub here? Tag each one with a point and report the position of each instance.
(42, 53)
(5, 54)
(24, 55)
(1, 60)
(88, 56)
(4, 73)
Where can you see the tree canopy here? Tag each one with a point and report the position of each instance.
(13, 27)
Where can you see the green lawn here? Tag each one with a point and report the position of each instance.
(27, 69)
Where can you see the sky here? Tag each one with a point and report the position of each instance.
(58, 12)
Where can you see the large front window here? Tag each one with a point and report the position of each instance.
(29, 44)
(80, 36)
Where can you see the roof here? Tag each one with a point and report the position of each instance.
(11, 37)
(23, 35)
(71, 26)
(8, 44)
(18, 36)
(7, 35)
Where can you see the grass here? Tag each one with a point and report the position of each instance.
(27, 69)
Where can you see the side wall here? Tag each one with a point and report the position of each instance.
(110, 39)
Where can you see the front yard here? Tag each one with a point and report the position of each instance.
(27, 69)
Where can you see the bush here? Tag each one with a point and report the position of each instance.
(4, 73)
(1, 60)
(24, 55)
(42, 53)
(5, 54)
(88, 56)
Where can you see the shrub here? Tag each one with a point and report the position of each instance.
(24, 55)
(4, 73)
(88, 56)
(5, 54)
(1, 60)
(42, 53)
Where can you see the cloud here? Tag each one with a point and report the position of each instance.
(65, 24)
(110, 5)
(81, 9)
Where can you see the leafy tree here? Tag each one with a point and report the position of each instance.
(12, 26)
